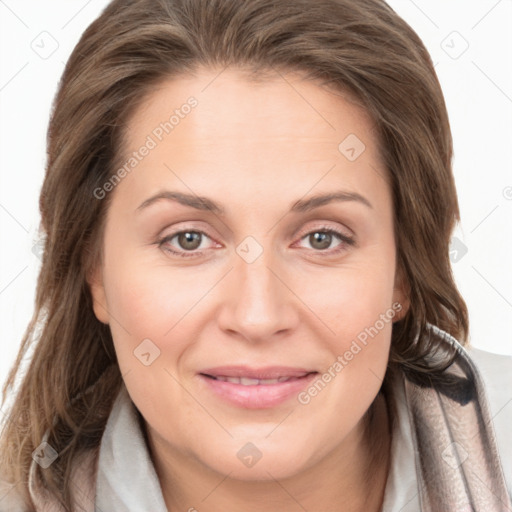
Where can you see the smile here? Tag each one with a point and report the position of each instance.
(255, 389)
(247, 381)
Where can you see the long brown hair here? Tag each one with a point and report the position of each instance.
(361, 47)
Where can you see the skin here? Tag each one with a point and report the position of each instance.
(255, 149)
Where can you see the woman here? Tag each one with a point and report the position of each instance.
(246, 300)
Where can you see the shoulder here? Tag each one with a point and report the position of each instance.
(490, 363)
(11, 498)
(83, 487)
(496, 373)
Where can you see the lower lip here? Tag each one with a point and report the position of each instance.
(260, 396)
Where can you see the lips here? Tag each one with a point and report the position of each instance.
(256, 388)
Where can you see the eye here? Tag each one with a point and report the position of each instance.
(187, 241)
(322, 238)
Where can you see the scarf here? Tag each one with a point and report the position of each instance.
(447, 422)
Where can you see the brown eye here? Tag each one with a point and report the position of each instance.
(189, 240)
(185, 243)
(320, 240)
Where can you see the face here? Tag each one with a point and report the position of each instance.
(250, 319)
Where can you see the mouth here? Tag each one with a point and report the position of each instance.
(247, 381)
(251, 388)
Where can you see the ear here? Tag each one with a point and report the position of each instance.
(99, 299)
(401, 293)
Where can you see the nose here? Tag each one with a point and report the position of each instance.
(260, 302)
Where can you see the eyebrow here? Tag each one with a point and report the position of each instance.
(300, 206)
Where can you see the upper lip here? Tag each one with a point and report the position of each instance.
(267, 372)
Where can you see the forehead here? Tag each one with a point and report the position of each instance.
(279, 132)
(282, 109)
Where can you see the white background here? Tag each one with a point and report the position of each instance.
(477, 83)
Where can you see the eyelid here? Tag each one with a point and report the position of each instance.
(182, 227)
(343, 231)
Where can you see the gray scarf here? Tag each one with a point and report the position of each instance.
(457, 463)
(457, 459)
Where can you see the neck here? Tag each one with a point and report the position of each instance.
(351, 479)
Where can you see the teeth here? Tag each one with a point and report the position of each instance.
(246, 381)
(270, 381)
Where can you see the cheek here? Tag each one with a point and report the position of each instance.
(150, 302)
(352, 298)
(360, 319)
(360, 315)
(154, 317)
(355, 305)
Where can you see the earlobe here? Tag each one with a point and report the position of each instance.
(99, 302)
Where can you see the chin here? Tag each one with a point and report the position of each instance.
(260, 461)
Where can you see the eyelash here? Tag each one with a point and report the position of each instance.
(346, 240)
